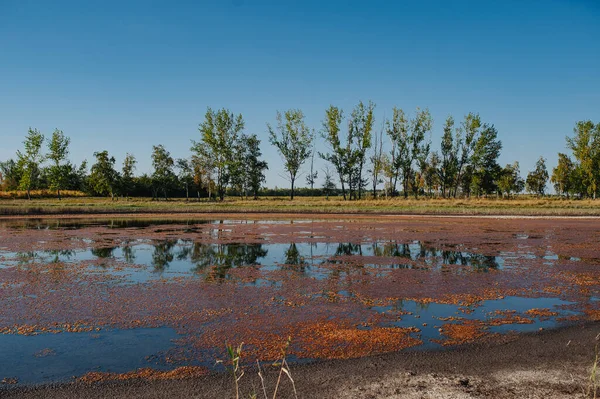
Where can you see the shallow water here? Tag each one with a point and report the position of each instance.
(164, 294)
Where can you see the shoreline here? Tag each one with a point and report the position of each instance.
(545, 364)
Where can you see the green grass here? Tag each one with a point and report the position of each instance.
(305, 205)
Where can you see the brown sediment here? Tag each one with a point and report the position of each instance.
(147, 374)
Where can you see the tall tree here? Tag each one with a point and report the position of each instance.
(103, 177)
(11, 175)
(536, 179)
(448, 161)
(361, 127)
(400, 158)
(219, 133)
(328, 183)
(339, 153)
(293, 139)
(311, 178)
(127, 181)
(185, 175)
(563, 175)
(586, 148)
(465, 140)
(254, 165)
(377, 160)
(58, 148)
(30, 160)
(163, 176)
(420, 127)
(485, 161)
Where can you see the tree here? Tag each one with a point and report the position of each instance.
(103, 177)
(219, 133)
(586, 148)
(311, 178)
(509, 180)
(127, 181)
(328, 184)
(339, 154)
(163, 176)
(10, 175)
(449, 158)
(420, 126)
(377, 160)
(58, 148)
(563, 175)
(536, 180)
(485, 160)
(254, 165)
(30, 160)
(186, 175)
(293, 140)
(465, 140)
(399, 158)
(361, 126)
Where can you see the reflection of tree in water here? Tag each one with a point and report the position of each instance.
(128, 252)
(56, 255)
(293, 259)
(348, 249)
(163, 254)
(221, 257)
(417, 250)
(103, 252)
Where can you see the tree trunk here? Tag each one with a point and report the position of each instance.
(28, 193)
(187, 192)
(292, 193)
(59, 198)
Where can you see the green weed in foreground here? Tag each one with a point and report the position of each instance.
(237, 372)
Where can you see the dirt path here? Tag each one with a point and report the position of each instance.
(547, 364)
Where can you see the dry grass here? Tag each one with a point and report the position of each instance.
(523, 206)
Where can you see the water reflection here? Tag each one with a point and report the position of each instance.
(214, 261)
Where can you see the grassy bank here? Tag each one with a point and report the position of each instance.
(534, 207)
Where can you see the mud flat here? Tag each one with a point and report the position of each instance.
(374, 306)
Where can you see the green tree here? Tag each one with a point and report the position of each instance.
(127, 177)
(293, 140)
(420, 127)
(449, 158)
(339, 153)
(536, 179)
(377, 160)
(30, 160)
(185, 175)
(485, 161)
(254, 165)
(10, 174)
(563, 175)
(311, 178)
(361, 127)
(163, 176)
(58, 148)
(465, 140)
(104, 179)
(399, 157)
(510, 181)
(219, 133)
(586, 148)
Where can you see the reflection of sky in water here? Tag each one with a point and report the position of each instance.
(430, 314)
(58, 357)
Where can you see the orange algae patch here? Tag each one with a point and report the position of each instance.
(329, 340)
(457, 334)
(541, 312)
(147, 374)
(509, 317)
(35, 329)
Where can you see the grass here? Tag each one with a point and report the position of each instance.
(305, 205)
(594, 379)
(237, 371)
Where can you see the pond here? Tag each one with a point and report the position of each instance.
(83, 296)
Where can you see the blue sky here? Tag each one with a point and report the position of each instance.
(124, 75)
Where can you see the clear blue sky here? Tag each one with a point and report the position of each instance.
(124, 75)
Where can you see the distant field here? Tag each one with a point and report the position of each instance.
(86, 205)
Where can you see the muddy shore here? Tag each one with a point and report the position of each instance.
(545, 364)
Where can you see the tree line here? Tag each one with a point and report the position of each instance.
(364, 159)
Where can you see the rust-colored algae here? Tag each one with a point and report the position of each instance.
(146, 373)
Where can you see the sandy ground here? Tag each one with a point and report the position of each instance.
(547, 364)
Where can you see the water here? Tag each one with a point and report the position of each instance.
(289, 281)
